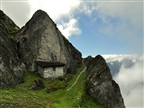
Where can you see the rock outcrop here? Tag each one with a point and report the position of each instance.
(11, 68)
(101, 86)
(40, 40)
(87, 60)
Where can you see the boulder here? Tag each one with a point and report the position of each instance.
(41, 40)
(38, 84)
(101, 86)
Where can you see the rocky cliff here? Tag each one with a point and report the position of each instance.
(100, 85)
(40, 40)
(11, 68)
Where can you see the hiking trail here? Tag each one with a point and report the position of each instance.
(76, 79)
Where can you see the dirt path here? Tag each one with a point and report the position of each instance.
(76, 79)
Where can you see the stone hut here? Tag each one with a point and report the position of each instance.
(50, 69)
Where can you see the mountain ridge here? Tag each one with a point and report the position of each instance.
(100, 85)
(41, 40)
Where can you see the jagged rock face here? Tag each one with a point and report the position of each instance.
(11, 68)
(101, 86)
(7, 20)
(40, 40)
(87, 60)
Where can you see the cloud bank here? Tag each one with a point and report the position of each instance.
(129, 76)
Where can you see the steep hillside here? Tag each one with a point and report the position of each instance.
(11, 68)
(21, 96)
(100, 85)
(40, 40)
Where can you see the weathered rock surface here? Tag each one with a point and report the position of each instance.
(101, 86)
(87, 60)
(7, 21)
(40, 40)
(11, 68)
(38, 84)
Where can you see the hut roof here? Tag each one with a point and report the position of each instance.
(50, 63)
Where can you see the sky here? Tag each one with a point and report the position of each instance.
(112, 28)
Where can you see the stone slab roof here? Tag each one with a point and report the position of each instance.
(50, 64)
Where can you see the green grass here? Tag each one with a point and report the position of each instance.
(21, 96)
(71, 98)
(12, 31)
(88, 102)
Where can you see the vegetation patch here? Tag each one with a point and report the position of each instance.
(11, 30)
(21, 96)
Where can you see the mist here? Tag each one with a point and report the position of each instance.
(127, 71)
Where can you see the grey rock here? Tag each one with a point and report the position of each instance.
(40, 40)
(101, 86)
(11, 68)
(7, 20)
(38, 84)
(87, 60)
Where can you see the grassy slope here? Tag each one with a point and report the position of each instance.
(22, 96)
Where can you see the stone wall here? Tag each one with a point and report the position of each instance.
(53, 72)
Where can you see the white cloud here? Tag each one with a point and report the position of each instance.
(129, 78)
(131, 84)
(69, 28)
(62, 12)
(87, 7)
(123, 21)
(129, 11)
(128, 14)
(122, 57)
(19, 12)
(136, 93)
(56, 9)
